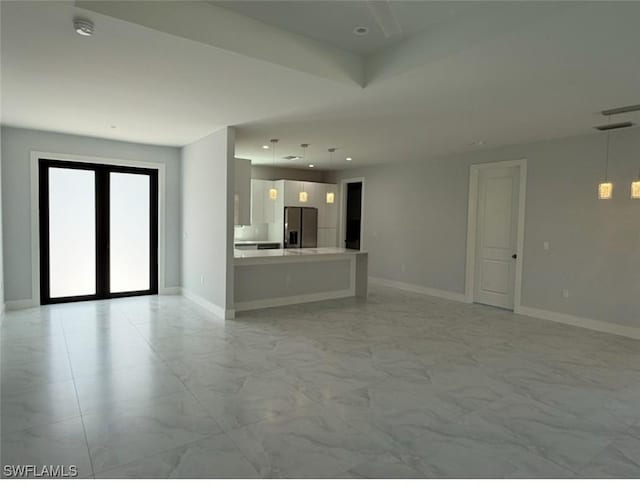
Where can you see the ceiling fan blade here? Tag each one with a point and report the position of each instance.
(384, 16)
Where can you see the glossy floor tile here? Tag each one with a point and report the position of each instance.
(398, 386)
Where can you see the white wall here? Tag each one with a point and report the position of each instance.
(416, 224)
(207, 220)
(17, 145)
(1, 239)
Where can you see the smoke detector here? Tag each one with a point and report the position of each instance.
(83, 26)
(361, 30)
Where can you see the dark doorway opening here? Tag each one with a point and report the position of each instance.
(98, 231)
(353, 215)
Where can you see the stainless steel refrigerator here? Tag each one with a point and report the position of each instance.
(300, 227)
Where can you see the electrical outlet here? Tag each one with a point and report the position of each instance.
(202, 279)
(403, 267)
(565, 293)
(546, 245)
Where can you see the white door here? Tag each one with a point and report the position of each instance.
(496, 238)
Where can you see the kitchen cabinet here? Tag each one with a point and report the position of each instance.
(327, 237)
(262, 206)
(257, 201)
(242, 192)
(292, 190)
(312, 193)
(264, 210)
(327, 213)
(269, 205)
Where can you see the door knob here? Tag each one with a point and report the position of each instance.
(514, 256)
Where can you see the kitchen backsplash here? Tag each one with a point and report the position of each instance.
(255, 232)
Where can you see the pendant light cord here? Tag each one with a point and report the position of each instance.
(606, 164)
(273, 144)
(304, 157)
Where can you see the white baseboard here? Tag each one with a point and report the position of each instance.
(423, 290)
(597, 325)
(218, 311)
(293, 300)
(170, 290)
(20, 304)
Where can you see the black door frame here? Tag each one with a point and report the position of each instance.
(102, 207)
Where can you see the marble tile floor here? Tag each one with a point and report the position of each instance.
(402, 385)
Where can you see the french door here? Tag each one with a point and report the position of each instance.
(98, 231)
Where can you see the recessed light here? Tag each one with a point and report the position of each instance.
(265, 147)
(348, 159)
(83, 26)
(311, 165)
(361, 30)
(477, 143)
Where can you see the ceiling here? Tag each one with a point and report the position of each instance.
(153, 87)
(334, 21)
(171, 72)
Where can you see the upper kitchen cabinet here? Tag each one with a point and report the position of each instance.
(264, 210)
(316, 197)
(262, 206)
(257, 201)
(331, 205)
(292, 190)
(327, 207)
(242, 195)
(313, 191)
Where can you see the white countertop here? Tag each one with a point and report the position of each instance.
(256, 242)
(292, 253)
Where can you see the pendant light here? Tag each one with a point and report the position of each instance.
(273, 192)
(635, 188)
(605, 189)
(331, 197)
(303, 196)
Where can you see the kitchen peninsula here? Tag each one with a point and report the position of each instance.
(276, 277)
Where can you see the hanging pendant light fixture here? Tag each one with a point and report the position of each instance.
(303, 196)
(605, 189)
(635, 188)
(331, 197)
(273, 192)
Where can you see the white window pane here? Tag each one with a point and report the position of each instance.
(72, 234)
(129, 226)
